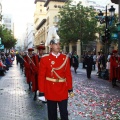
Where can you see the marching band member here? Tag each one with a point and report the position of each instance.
(54, 78)
(118, 74)
(35, 66)
(27, 66)
(113, 67)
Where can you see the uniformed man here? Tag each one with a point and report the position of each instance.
(27, 65)
(113, 67)
(118, 72)
(35, 66)
(55, 80)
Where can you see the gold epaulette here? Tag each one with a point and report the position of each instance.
(45, 55)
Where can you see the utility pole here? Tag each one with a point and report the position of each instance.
(106, 29)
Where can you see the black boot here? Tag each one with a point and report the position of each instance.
(29, 86)
(35, 96)
(114, 82)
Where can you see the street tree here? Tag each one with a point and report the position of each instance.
(7, 37)
(77, 22)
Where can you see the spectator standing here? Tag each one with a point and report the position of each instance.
(113, 67)
(102, 61)
(89, 63)
(97, 62)
(83, 57)
(75, 61)
(94, 60)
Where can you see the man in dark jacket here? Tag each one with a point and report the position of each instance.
(89, 63)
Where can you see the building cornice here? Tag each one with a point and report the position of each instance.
(115, 1)
(47, 2)
(41, 23)
(39, 1)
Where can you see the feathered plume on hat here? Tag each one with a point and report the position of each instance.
(52, 37)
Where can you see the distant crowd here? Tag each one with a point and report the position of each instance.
(6, 60)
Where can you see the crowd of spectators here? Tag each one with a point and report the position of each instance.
(6, 60)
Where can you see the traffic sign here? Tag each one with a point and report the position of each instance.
(114, 35)
(0, 40)
(1, 46)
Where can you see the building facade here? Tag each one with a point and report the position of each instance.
(29, 36)
(8, 22)
(46, 15)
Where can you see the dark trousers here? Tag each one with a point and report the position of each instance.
(21, 66)
(94, 65)
(114, 81)
(88, 70)
(83, 64)
(52, 109)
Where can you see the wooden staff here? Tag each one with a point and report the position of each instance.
(30, 59)
(22, 58)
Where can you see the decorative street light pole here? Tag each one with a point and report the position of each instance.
(106, 19)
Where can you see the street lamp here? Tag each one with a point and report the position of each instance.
(107, 20)
(118, 2)
(112, 11)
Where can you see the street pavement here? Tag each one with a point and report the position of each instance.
(94, 99)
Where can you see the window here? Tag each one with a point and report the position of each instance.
(48, 21)
(59, 6)
(55, 19)
(55, 6)
(40, 10)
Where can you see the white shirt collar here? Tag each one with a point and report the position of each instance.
(55, 55)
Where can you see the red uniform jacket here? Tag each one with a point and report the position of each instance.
(34, 68)
(113, 67)
(27, 69)
(55, 91)
(118, 72)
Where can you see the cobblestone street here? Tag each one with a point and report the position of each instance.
(94, 99)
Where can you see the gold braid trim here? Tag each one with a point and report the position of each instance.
(53, 69)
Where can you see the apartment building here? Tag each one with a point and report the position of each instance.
(45, 16)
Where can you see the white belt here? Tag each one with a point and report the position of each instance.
(56, 80)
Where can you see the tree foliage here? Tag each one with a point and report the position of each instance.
(77, 22)
(7, 37)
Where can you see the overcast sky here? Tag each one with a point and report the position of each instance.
(22, 12)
